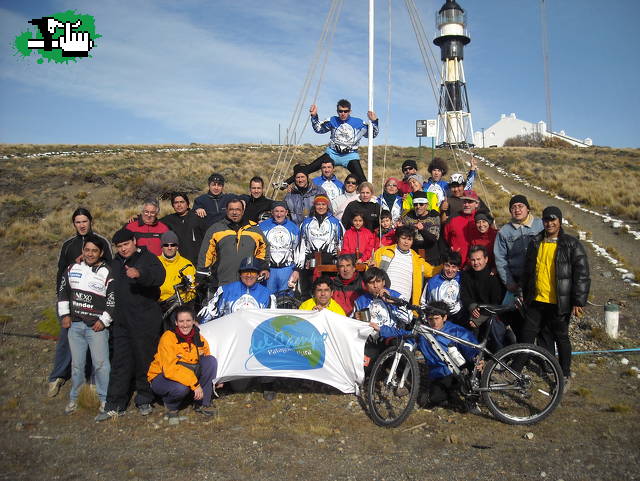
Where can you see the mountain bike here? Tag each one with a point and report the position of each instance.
(520, 384)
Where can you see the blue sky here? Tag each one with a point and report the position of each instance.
(227, 72)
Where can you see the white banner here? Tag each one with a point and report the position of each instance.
(318, 345)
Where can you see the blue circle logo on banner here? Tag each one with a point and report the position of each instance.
(288, 343)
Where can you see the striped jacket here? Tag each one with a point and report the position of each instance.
(226, 243)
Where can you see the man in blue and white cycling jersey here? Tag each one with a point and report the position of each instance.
(346, 133)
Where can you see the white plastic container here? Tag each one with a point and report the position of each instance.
(611, 317)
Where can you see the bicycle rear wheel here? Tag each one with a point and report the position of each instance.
(529, 397)
(393, 387)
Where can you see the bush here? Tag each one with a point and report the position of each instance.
(536, 140)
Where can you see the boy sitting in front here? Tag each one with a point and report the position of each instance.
(443, 386)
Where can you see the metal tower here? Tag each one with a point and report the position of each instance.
(454, 117)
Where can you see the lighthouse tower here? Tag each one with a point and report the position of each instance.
(454, 117)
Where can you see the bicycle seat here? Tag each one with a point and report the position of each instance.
(496, 308)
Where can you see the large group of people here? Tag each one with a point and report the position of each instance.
(427, 241)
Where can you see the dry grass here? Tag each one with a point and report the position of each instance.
(87, 398)
(580, 174)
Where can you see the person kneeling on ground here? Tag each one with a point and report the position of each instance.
(183, 365)
(443, 385)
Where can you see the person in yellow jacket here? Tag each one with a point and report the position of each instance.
(173, 263)
(183, 365)
(405, 268)
(321, 299)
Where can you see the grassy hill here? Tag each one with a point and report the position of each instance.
(41, 185)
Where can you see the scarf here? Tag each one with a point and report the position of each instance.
(389, 199)
(188, 338)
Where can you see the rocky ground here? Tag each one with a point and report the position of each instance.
(311, 432)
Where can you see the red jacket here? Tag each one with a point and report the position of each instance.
(487, 239)
(361, 242)
(345, 293)
(457, 233)
(387, 239)
(148, 235)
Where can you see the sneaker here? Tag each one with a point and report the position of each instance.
(145, 409)
(269, 395)
(54, 387)
(71, 407)
(205, 410)
(105, 415)
(567, 384)
(173, 418)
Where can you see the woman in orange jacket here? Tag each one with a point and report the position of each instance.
(182, 366)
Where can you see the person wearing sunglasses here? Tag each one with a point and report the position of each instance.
(173, 264)
(390, 199)
(350, 194)
(346, 133)
(409, 168)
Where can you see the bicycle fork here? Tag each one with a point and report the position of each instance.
(394, 367)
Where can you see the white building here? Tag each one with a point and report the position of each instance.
(510, 126)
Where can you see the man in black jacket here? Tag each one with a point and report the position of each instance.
(480, 286)
(69, 254)
(213, 205)
(188, 226)
(556, 285)
(137, 275)
(256, 204)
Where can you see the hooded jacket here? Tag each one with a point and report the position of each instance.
(173, 350)
(300, 201)
(226, 243)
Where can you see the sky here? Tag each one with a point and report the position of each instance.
(214, 71)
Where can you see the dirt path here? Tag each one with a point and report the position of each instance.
(601, 233)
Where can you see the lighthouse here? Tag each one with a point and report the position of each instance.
(454, 116)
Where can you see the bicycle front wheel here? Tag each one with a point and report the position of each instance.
(523, 386)
(393, 387)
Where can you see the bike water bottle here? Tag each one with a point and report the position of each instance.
(455, 355)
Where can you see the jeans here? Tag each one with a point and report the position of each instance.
(173, 392)
(80, 337)
(279, 279)
(62, 360)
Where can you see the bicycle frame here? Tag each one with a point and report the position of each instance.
(429, 333)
